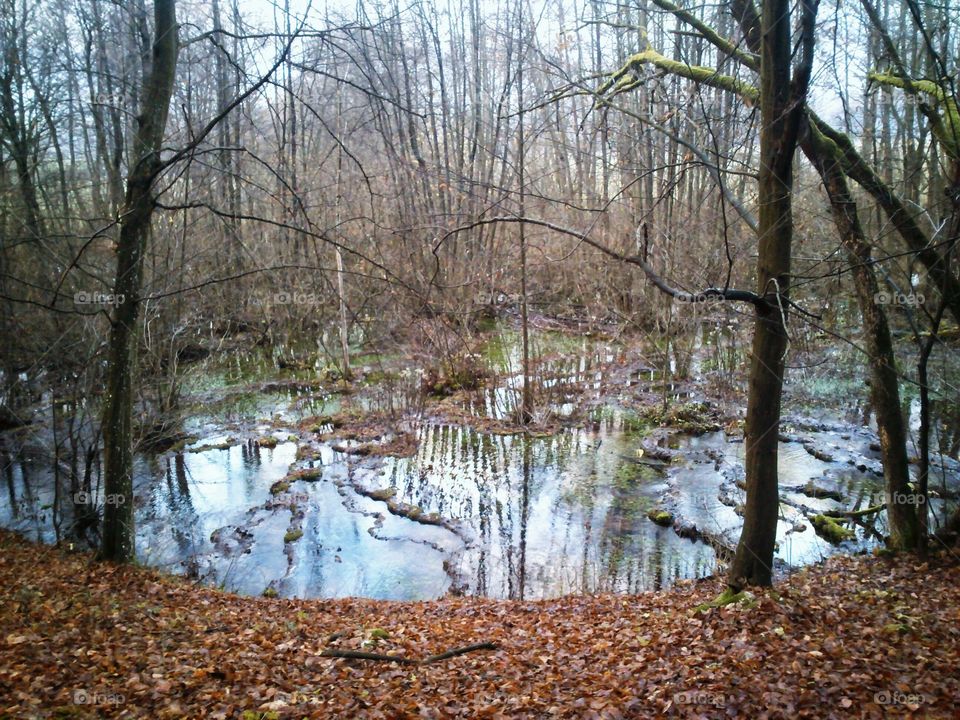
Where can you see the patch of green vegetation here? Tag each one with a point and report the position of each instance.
(660, 517)
(497, 351)
(309, 474)
(225, 445)
(316, 423)
(581, 490)
(376, 359)
(411, 512)
(269, 592)
(280, 486)
(811, 489)
(306, 452)
(502, 349)
(384, 494)
(744, 598)
(257, 715)
(632, 505)
(267, 441)
(460, 372)
(292, 535)
(694, 417)
(380, 376)
(602, 413)
(627, 475)
(178, 446)
(630, 474)
(635, 425)
(830, 530)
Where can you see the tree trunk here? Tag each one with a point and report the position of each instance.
(884, 386)
(781, 103)
(118, 530)
(525, 416)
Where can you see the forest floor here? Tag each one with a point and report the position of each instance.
(855, 637)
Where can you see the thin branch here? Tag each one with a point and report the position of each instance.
(707, 295)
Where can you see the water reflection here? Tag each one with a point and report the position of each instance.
(523, 517)
(548, 515)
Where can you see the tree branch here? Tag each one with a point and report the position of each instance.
(402, 659)
(707, 295)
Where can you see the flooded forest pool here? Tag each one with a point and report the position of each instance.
(281, 487)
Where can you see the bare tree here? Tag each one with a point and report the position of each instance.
(139, 204)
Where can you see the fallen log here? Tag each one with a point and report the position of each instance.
(402, 659)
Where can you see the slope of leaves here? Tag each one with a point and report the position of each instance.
(856, 637)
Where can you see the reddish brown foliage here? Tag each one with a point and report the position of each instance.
(835, 641)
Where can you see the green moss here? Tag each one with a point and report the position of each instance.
(267, 441)
(694, 418)
(811, 489)
(379, 377)
(292, 535)
(660, 517)
(269, 592)
(305, 452)
(830, 530)
(627, 476)
(225, 445)
(634, 424)
(728, 597)
(944, 119)
(181, 444)
(316, 423)
(461, 372)
(411, 512)
(309, 474)
(621, 80)
(280, 486)
(384, 494)
(256, 715)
